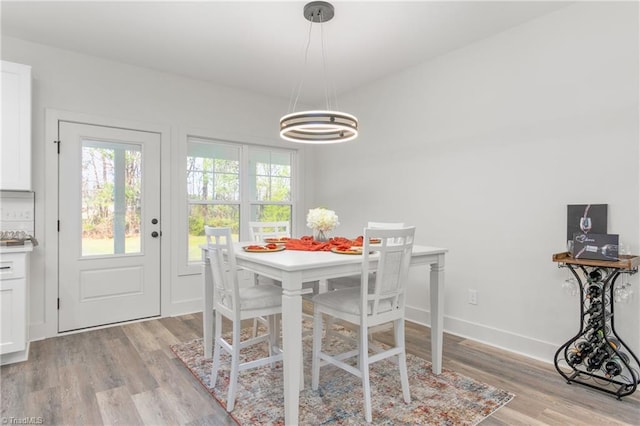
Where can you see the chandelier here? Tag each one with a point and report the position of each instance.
(318, 126)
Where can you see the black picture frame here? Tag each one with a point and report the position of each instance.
(596, 213)
(596, 246)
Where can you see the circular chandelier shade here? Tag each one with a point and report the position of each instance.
(318, 127)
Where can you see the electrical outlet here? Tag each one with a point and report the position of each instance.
(473, 297)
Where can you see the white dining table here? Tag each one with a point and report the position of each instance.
(294, 267)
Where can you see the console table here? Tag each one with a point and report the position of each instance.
(596, 356)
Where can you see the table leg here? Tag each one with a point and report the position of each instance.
(437, 313)
(292, 346)
(207, 310)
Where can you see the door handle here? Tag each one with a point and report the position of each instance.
(155, 234)
(154, 221)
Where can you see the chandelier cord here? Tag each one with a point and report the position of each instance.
(325, 73)
(304, 67)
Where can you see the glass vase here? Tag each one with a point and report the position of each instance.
(320, 236)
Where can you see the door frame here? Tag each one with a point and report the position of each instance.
(50, 246)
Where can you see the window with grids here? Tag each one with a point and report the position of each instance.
(231, 184)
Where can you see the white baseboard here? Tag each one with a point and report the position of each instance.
(184, 307)
(38, 331)
(41, 331)
(14, 357)
(502, 339)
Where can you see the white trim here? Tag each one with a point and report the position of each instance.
(497, 338)
(13, 357)
(50, 244)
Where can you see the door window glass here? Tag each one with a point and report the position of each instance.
(111, 190)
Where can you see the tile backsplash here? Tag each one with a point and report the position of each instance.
(17, 214)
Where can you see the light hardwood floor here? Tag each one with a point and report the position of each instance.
(127, 375)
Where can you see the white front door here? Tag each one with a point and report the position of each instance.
(109, 225)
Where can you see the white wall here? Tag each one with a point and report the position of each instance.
(66, 81)
(483, 148)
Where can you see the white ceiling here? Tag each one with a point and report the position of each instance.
(259, 45)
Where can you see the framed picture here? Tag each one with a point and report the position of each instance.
(586, 219)
(595, 246)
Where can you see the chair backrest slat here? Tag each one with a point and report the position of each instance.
(258, 231)
(384, 291)
(222, 261)
(385, 225)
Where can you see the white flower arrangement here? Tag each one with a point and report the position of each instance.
(322, 219)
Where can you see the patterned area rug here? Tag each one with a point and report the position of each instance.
(446, 399)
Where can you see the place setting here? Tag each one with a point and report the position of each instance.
(266, 248)
(348, 250)
(276, 240)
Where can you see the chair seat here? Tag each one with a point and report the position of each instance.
(346, 300)
(343, 283)
(260, 297)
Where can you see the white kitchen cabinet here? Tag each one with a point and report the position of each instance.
(15, 145)
(14, 281)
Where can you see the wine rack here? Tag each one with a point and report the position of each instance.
(596, 356)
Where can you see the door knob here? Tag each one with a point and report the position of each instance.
(154, 221)
(155, 234)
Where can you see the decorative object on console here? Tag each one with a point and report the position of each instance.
(585, 219)
(595, 246)
(322, 126)
(321, 220)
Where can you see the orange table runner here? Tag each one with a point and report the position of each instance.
(307, 243)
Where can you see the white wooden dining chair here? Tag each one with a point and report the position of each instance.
(237, 304)
(380, 299)
(258, 231)
(385, 225)
(354, 280)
